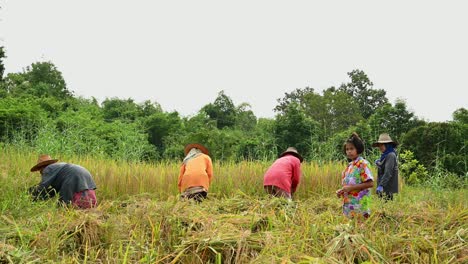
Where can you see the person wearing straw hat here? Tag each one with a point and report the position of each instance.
(73, 183)
(283, 176)
(196, 172)
(387, 167)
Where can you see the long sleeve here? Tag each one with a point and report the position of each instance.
(209, 169)
(296, 177)
(181, 174)
(389, 164)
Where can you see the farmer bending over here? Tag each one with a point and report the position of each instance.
(73, 183)
(196, 173)
(283, 176)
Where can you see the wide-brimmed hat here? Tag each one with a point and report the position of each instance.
(292, 151)
(43, 161)
(203, 149)
(384, 138)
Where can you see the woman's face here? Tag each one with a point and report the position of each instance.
(382, 147)
(351, 151)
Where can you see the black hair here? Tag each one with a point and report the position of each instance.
(356, 141)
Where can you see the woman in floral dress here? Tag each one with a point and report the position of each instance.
(356, 180)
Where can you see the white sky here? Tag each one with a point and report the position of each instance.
(182, 53)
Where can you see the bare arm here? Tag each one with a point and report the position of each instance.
(358, 187)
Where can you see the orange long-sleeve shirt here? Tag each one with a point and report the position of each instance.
(197, 172)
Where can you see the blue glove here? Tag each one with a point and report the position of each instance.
(379, 189)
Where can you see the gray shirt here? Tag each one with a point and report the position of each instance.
(388, 173)
(66, 179)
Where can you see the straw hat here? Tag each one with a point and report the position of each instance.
(203, 149)
(43, 161)
(292, 151)
(384, 138)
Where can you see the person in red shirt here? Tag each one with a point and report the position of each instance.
(283, 176)
(196, 173)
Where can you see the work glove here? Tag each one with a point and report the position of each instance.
(379, 189)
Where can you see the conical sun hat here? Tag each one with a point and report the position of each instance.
(43, 161)
(188, 147)
(384, 138)
(293, 151)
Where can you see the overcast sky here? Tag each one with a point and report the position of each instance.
(182, 53)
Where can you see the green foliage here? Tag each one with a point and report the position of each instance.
(38, 111)
(159, 125)
(413, 172)
(2, 66)
(443, 179)
(20, 115)
(41, 79)
(222, 110)
(334, 111)
(245, 118)
(395, 120)
(83, 133)
(261, 143)
(445, 143)
(461, 116)
(294, 129)
(121, 109)
(298, 96)
(342, 111)
(360, 88)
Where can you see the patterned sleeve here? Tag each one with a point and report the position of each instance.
(366, 174)
(343, 176)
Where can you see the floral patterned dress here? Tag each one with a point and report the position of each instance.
(356, 202)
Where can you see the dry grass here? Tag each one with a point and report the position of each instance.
(141, 220)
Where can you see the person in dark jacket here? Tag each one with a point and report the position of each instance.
(73, 183)
(387, 167)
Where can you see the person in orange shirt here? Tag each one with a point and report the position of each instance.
(196, 173)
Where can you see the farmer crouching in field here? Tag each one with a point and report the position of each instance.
(283, 176)
(73, 183)
(196, 173)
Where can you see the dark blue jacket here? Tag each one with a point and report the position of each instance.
(65, 179)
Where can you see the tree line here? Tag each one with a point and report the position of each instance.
(39, 112)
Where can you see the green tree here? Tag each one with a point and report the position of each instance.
(20, 117)
(395, 120)
(245, 118)
(439, 144)
(120, 109)
(461, 116)
(222, 110)
(335, 110)
(298, 97)
(260, 144)
(341, 111)
(159, 125)
(2, 66)
(294, 128)
(41, 79)
(360, 88)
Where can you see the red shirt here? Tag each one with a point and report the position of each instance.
(284, 173)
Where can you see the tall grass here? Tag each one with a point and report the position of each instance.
(117, 179)
(141, 220)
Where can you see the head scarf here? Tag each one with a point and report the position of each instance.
(388, 149)
(194, 152)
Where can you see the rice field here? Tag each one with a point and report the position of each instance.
(141, 220)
